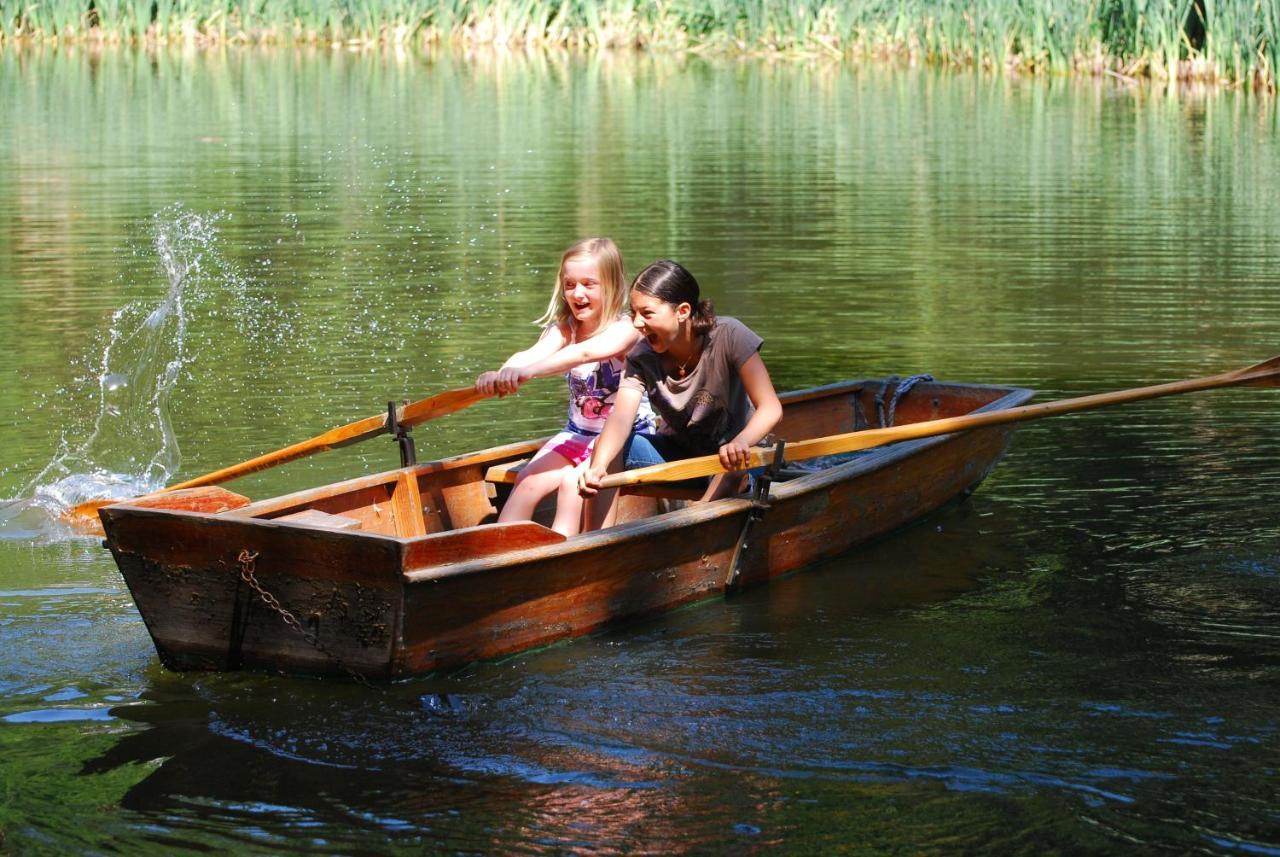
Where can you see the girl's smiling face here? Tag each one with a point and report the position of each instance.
(658, 321)
(580, 280)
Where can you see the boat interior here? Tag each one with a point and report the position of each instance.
(452, 495)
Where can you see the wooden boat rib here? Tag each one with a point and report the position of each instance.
(403, 572)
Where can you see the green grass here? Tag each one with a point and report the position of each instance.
(1156, 38)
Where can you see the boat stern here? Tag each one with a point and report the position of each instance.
(218, 592)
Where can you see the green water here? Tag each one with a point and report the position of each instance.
(1081, 659)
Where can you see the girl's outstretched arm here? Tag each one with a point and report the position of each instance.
(553, 339)
(611, 440)
(614, 341)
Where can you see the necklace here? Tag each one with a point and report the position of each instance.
(692, 357)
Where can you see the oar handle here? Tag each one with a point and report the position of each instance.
(685, 468)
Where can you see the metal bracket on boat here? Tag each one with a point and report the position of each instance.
(247, 563)
(759, 505)
(408, 455)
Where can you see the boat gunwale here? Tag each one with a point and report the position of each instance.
(882, 454)
(700, 513)
(627, 531)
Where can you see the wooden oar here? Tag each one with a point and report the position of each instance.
(1265, 374)
(409, 415)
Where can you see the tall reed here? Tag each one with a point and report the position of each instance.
(1234, 41)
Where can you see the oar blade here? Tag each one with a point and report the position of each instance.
(1264, 374)
(84, 518)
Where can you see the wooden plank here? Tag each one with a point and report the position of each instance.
(372, 506)
(496, 453)
(841, 388)
(505, 474)
(663, 491)
(484, 540)
(407, 506)
(299, 500)
(316, 518)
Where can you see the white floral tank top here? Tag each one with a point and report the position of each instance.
(593, 388)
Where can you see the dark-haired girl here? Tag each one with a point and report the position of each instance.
(704, 378)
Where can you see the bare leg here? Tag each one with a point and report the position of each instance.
(538, 479)
(723, 485)
(602, 509)
(568, 503)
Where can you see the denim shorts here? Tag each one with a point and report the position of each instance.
(643, 450)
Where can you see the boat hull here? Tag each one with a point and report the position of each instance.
(386, 605)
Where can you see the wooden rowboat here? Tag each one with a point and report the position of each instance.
(404, 572)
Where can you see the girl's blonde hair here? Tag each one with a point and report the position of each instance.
(613, 281)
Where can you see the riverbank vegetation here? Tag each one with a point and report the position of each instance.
(1236, 42)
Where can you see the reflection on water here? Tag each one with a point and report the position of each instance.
(1082, 658)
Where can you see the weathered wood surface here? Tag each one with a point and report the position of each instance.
(211, 499)
(316, 518)
(421, 587)
(472, 542)
(182, 569)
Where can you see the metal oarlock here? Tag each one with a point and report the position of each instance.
(759, 505)
(408, 454)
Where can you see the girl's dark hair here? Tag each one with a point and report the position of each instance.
(669, 282)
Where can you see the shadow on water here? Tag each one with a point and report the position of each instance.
(608, 740)
(788, 717)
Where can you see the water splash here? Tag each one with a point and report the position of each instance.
(128, 446)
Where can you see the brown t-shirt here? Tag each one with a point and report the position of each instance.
(709, 406)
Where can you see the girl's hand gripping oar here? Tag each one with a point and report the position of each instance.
(408, 416)
(1265, 374)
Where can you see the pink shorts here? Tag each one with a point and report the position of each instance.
(573, 446)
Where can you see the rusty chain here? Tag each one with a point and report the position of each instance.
(246, 562)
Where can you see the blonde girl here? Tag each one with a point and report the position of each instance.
(585, 335)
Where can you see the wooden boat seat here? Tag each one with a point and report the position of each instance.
(505, 474)
(316, 518)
